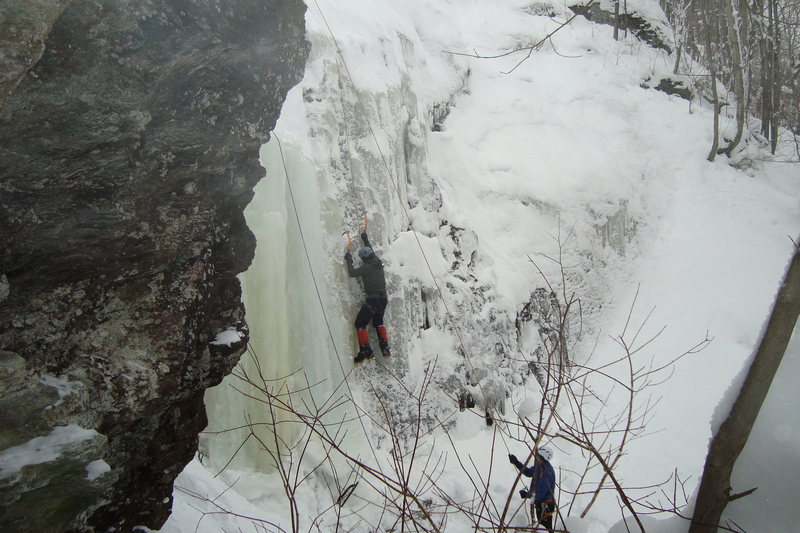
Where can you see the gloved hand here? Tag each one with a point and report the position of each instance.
(524, 494)
(348, 256)
(513, 459)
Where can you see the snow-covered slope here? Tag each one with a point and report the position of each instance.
(476, 174)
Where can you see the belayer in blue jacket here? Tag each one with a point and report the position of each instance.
(543, 485)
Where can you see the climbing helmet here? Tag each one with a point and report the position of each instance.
(546, 453)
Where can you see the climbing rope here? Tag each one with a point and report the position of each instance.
(352, 180)
(345, 375)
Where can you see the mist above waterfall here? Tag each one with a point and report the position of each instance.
(497, 192)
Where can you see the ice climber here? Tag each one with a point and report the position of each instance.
(371, 274)
(543, 484)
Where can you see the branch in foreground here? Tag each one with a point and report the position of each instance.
(530, 49)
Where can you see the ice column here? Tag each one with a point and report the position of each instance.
(289, 334)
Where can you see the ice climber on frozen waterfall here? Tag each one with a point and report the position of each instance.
(542, 487)
(371, 274)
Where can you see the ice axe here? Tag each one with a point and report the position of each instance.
(350, 239)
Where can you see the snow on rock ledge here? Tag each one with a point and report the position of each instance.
(128, 150)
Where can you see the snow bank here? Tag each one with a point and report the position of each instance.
(228, 337)
(42, 449)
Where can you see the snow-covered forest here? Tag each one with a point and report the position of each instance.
(583, 237)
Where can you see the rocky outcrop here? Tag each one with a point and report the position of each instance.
(643, 29)
(23, 28)
(129, 140)
(671, 85)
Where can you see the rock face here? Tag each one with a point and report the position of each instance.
(129, 139)
(641, 28)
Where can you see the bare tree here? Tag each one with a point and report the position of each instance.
(736, 34)
(756, 44)
(572, 414)
(679, 11)
(715, 490)
(710, 32)
(769, 41)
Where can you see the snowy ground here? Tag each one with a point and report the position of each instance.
(567, 140)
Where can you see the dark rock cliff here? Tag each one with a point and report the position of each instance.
(129, 140)
(643, 29)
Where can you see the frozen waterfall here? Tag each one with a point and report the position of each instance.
(289, 334)
(470, 171)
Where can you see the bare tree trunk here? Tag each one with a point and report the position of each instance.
(766, 87)
(727, 444)
(712, 154)
(735, 44)
(775, 62)
(770, 76)
(708, 17)
(746, 40)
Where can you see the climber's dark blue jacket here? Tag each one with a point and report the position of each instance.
(543, 482)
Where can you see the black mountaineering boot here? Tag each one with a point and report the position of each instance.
(385, 348)
(365, 352)
(383, 340)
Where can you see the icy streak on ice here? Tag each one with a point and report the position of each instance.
(287, 327)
